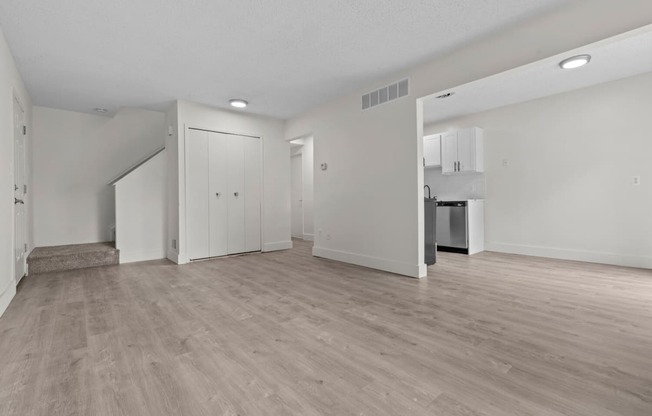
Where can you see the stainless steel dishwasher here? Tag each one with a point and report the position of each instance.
(452, 233)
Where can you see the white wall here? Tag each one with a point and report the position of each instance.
(276, 170)
(11, 84)
(567, 189)
(75, 157)
(141, 212)
(370, 200)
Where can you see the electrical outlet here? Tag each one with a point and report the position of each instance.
(636, 180)
(505, 163)
(174, 243)
(328, 236)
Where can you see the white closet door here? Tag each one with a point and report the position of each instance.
(197, 191)
(218, 195)
(236, 201)
(252, 154)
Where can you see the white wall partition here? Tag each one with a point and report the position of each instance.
(370, 199)
(141, 211)
(307, 160)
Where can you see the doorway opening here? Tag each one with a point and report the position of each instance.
(302, 193)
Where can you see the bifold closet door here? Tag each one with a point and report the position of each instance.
(223, 194)
(197, 195)
(253, 193)
(218, 196)
(243, 180)
(237, 194)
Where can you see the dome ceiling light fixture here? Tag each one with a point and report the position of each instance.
(238, 103)
(575, 61)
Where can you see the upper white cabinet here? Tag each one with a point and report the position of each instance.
(432, 150)
(462, 151)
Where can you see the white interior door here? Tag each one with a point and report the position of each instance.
(252, 193)
(236, 197)
(296, 192)
(197, 194)
(218, 196)
(20, 189)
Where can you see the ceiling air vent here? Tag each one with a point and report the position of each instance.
(385, 94)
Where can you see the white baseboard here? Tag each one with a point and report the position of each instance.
(7, 296)
(177, 258)
(277, 245)
(134, 256)
(577, 255)
(309, 237)
(406, 269)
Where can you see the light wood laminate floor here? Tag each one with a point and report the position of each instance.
(287, 334)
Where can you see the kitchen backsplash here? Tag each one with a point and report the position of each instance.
(453, 187)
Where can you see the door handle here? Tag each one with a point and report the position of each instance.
(236, 194)
(18, 201)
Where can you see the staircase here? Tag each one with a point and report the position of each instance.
(72, 257)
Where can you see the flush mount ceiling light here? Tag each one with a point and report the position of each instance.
(448, 94)
(238, 103)
(575, 61)
(100, 110)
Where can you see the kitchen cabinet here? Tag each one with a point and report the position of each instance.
(462, 151)
(432, 151)
(223, 189)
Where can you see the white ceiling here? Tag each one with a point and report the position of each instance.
(618, 57)
(283, 56)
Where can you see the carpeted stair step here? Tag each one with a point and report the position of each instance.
(71, 257)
